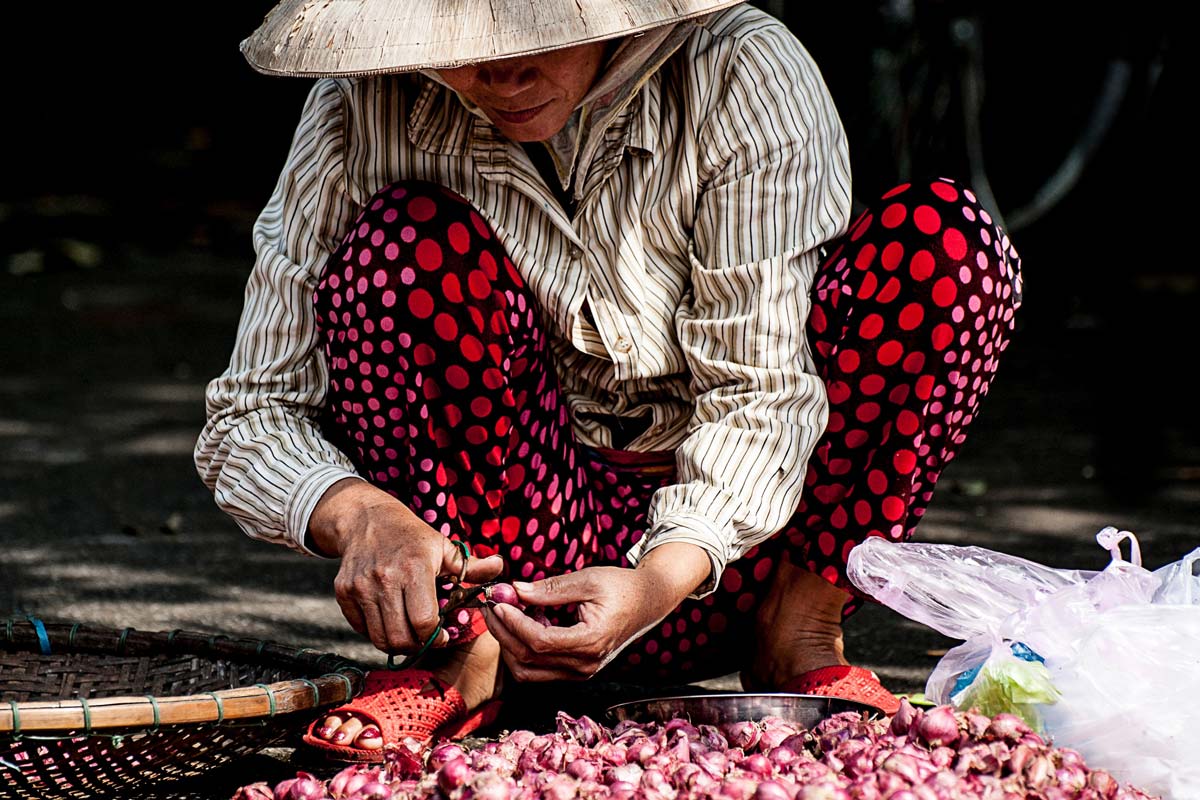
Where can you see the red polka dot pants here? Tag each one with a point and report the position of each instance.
(443, 393)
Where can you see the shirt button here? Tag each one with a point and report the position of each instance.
(576, 253)
(622, 345)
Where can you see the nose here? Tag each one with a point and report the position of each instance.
(507, 77)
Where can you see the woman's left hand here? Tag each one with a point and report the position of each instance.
(615, 606)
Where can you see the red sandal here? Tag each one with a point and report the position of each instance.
(409, 702)
(849, 683)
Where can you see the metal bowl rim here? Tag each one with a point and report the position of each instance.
(733, 695)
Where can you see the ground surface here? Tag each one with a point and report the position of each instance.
(103, 520)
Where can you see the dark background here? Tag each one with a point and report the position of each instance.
(144, 135)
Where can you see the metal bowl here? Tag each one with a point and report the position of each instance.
(718, 708)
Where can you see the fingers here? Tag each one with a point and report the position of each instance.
(537, 649)
(474, 570)
(481, 570)
(377, 630)
(421, 610)
(557, 590)
(351, 612)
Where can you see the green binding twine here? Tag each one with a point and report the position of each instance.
(411, 660)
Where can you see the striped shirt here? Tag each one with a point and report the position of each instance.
(693, 249)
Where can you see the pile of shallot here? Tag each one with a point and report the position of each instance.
(938, 754)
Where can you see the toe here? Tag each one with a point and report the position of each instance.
(348, 730)
(328, 727)
(369, 738)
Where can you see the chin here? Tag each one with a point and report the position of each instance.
(536, 130)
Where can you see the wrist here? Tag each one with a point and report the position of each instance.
(339, 514)
(677, 568)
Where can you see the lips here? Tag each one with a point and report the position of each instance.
(517, 117)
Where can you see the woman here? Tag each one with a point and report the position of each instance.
(582, 292)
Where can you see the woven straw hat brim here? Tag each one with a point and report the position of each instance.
(346, 38)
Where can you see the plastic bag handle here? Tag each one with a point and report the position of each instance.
(1110, 539)
(1189, 572)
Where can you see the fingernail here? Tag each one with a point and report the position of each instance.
(521, 586)
(324, 733)
(339, 736)
(369, 733)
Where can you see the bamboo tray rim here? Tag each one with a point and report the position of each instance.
(340, 683)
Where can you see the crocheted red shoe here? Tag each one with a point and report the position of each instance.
(846, 682)
(410, 702)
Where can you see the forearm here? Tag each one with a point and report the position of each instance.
(676, 569)
(342, 511)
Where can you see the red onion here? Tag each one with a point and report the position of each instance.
(403, 760)
(758, 764)
(351, 779)
(1019, 758)
(926, 792)
(712, 738)
(782, 757)
(743, 734)
(489, 786)
(771, 790)
(774, 732)
(643, 751)
(307, 787)
(655, 781)
(688, 729)
(903, 718)
(906, 767)
(590, 790)
(1103, 784)
(611, 753)
(554, 756)
(283, 789)
(1008, 727)
(976, 724)
(826, 790)
(621, 790)
(940, 754)
(1038, 772)
(797, 743)
(492, 762)
(938, 726)
(453, 774)
(714, 762)
(373, 790)
(626, 773)
(444, 754)
(502, 593)
(583, 770)
(584, 730)
(735, 788)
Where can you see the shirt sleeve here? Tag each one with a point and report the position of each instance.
(775, 185)
(261, 451)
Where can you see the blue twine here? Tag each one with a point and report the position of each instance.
(43, 638)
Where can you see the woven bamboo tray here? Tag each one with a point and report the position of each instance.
(105, 711)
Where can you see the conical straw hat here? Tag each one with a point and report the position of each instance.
(319, 38)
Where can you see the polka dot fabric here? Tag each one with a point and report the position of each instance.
(442, 391)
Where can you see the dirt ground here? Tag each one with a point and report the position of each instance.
(104, 521)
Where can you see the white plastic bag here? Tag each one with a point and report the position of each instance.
(1121, 647)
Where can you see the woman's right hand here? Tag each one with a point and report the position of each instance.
(391, 560)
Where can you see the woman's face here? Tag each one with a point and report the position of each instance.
(530, 98)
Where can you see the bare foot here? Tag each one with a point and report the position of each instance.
(473, 669)
(799, 628)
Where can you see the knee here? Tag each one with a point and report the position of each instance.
(937, 240)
